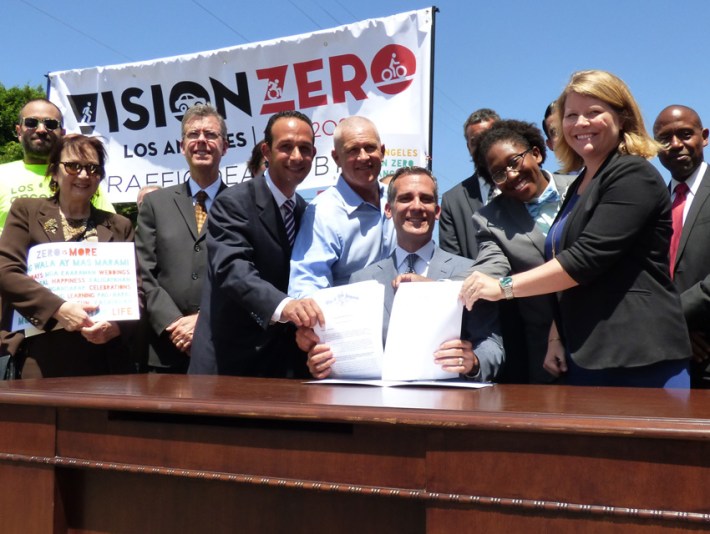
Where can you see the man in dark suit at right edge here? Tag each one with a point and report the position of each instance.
(456, 233)
(246, 321)
(680, 131)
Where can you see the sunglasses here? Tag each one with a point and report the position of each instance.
(74, 168)
(33, 122)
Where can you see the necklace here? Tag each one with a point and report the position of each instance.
(74, 228)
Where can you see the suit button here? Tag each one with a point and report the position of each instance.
(197, 248)
(194, 276)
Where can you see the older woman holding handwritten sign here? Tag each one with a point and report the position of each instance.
(72, 344)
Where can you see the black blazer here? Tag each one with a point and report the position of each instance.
(248, 269)
(692, 269)
(692, 264)
(626, 311)
(456, 233)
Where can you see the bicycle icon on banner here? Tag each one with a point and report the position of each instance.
(395, 71)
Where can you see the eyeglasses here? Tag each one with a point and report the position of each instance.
(513, 165)
(194, 135)
(33, 122)
(74, 168)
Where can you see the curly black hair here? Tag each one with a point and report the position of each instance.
(520, 132)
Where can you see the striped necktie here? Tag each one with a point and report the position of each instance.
(289, 220)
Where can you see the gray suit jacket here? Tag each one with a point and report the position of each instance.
(507, 235)
(172, 259)
(692, 267)
(479, 326)
(456, 234)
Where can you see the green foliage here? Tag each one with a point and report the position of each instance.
(11, 101)
(127, 209)
(10, 151)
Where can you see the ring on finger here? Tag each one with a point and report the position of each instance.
(460, 361)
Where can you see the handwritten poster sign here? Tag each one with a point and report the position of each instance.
(99, 274)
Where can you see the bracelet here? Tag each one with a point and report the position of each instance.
(554, 339)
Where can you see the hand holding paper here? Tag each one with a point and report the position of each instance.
(353, 333)
(73, 316)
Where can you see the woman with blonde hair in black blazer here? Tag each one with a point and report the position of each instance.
(618, 320)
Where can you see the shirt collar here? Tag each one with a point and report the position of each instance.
(279, 197)
(352, 200)
(426, 253)
(211, 189)
(693, 182)
(36, 168)
(550, 190)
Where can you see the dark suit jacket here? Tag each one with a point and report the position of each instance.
(626, 311)
(172, 259)
(456, 234)
(692, 266)
(34, 221)
(479, 326)
(248, 269)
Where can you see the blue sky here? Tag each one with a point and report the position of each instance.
(514, 56)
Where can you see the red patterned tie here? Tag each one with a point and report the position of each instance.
(681, 191)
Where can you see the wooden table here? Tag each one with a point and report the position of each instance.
(174, 454)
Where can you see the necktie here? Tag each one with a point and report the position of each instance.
(681, 192)
(289, 220)
(411, 262)
(491, 193)
(200, 209)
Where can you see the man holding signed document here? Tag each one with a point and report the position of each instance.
(412, 205)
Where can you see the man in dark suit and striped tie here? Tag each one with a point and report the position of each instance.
(246, 322)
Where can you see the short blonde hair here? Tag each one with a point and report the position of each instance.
(615, 93)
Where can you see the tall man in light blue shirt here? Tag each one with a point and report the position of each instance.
(344, 229)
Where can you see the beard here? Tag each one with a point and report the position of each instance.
(38, 146)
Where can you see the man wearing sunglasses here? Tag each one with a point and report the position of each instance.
(38, 127)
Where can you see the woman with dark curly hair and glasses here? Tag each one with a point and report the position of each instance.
(619, 320)
(511, 231)
(80, 346)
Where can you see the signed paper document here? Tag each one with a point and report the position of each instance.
(99, 274)
(424, 315)
(353, 328)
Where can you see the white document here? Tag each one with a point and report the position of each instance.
(395, 383)
(353, 328)
(424, 315)
(99, 274)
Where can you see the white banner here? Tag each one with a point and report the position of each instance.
(379, 68)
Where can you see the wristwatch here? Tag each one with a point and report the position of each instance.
(506, 284)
